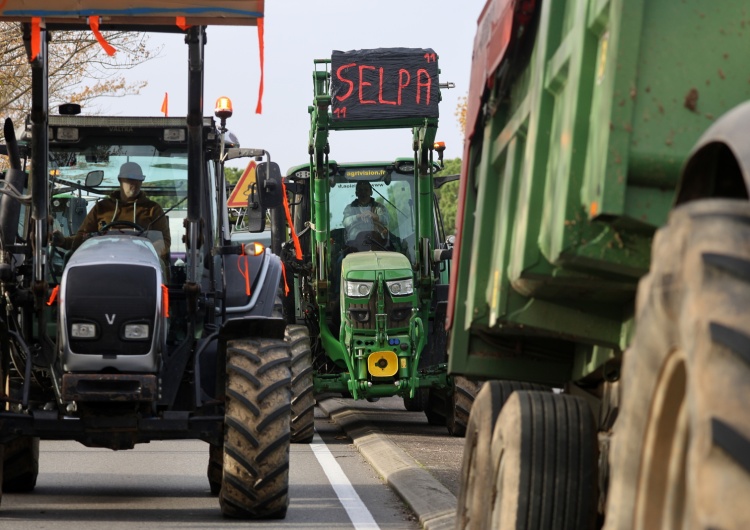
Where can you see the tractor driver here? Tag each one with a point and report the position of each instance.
(129, 204)
(364, 214)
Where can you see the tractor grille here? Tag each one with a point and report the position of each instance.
(110, 296)
(363, 315)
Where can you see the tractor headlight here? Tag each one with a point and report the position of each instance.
(85, 330)
(135, 331)
(358, 289)
(401, 287)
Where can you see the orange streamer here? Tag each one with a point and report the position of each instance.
(259, 108)
(36, 39)
(245, 273)
(94, 25)
(286, 283)
(295, 238)
(181, 23)
(53, 295)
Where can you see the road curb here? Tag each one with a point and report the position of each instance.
(433, 504)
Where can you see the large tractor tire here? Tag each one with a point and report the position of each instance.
(475, 494)
(215, 467)
(303, 397)
(436, 406)
(418, 403)
(255, 480)
(544, 457)
(681, 444)
(20, 465)
(458, 405)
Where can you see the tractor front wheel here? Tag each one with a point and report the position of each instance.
(255, 478)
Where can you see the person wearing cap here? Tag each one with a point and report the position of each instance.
(128, 203)
(364, 214)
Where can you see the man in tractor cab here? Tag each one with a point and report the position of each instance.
(365, 216)
(128, 206)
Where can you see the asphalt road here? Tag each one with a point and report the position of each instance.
(163, 485)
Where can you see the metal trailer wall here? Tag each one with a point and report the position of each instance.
(580, 138)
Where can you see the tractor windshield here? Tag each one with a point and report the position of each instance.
(81, 177)
(374, 215)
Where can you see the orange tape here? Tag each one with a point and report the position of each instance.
(164, 300)
(261, 46)
(36, 39)
(94, 25)
(286, 283)
(53, 295)
(182, 24)
(295, 238)
(244, 273)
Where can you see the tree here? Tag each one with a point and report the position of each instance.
(79, 69)
(232, 174)
(460, 113)
(447, 195)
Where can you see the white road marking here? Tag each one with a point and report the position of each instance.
(358, 513)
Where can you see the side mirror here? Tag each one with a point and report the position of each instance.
(94, 178)
(268, 177)
(255, 216)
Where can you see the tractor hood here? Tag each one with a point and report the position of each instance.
(366, 265)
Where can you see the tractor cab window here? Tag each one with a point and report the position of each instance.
(373, 215)
(81, 177)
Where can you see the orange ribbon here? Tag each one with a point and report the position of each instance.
(295, 238)
(259, 108)
(94, 25)
(246, 272)
(181, 23)
(286, 283)
(36, 39)
(53, 295)
(164, 300)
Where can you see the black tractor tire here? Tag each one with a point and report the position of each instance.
(303, 396)
(681, 443)
(20, 465)
(419, 402)
(458, 406)
(255, 480)
(215, 467)
(544, 463)
(474, 498)
(435, 410)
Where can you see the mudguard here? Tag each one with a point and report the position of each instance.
(719, 164)
(251, 289)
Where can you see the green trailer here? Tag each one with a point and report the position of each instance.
(603, 251)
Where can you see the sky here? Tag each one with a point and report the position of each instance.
(296, 33)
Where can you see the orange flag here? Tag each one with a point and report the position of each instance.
(165, 105)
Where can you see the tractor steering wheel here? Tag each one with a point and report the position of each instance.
(121, 223)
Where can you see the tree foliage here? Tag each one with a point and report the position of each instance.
(460, 113)
(232, 174)
(447, 195)
(79, 69)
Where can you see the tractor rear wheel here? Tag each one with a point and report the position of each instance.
(435, 410)
(682, 438)
(475, 495)
(544, 458)
(20, 465)
(419, 402)
(458, 406)
(215, 467)
(255, 480)
(303, 397)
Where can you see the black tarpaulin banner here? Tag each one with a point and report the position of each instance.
(384, 83)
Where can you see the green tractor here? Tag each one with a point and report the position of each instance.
(367, 266)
